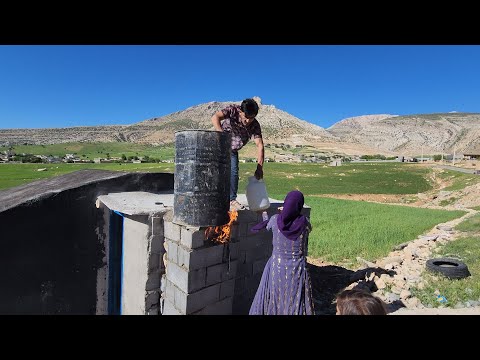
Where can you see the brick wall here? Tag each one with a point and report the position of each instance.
(205, 278)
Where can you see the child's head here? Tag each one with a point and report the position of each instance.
(359, 302)
(249, 108)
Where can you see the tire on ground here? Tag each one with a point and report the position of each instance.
(451, 268)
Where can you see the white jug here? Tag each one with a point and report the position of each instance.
(257, 196)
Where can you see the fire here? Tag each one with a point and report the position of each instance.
(221, 234)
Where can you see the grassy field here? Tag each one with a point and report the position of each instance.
(343, 229)
(459, 180)
(280, 178)
(350, 178)
(89, 151)
(472, 224)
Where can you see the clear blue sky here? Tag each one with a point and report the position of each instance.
(75, 85)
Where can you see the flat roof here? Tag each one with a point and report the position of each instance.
(40, 189)
(145, 203)
(137, 202)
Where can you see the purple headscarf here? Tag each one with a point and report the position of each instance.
(290, 221)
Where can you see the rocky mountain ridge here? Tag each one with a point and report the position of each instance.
(434, 133)
(369, 134)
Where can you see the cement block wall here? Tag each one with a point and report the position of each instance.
(134, 269)
(203, 278)
(142, 265)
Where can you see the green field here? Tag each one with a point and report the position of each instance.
(459, 180)
(343, 229)
(350, 178)
(280, 178)
(89, 151)
(472, 224)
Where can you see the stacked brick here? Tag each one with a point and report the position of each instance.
(205, 278)
(156, 267)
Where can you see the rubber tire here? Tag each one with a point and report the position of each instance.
(455, 269)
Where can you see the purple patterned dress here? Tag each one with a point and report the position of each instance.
(285, 287)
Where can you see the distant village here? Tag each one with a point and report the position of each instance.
(10, 156)
(282, 154)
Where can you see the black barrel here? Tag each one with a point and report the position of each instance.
(202, 178)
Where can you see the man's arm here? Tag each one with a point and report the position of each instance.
(216, 118)
(260, 157)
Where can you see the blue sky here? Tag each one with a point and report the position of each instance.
(44, 86)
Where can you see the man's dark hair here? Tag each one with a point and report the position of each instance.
(249, 107)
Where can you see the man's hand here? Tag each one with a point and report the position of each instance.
(216, 118)
(259, 172)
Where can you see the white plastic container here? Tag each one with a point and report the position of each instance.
(257, 196)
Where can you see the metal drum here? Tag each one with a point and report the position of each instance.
(202, 178)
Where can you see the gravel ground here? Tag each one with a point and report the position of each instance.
(438, 311)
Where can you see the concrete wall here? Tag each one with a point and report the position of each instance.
(52, 237)
(135, 247)
(142, 265)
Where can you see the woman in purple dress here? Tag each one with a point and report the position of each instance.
(285, 287)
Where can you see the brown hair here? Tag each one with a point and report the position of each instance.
(359, 302)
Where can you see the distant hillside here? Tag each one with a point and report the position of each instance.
(409, 133)
(367, 134)
(277, 125)
(61, 135)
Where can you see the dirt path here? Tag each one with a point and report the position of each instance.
(438, 311)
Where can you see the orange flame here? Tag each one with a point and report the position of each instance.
(221, 234)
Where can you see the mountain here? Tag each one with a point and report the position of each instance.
(277, 125)
(367, 134)
(61, 135)
(408, 134)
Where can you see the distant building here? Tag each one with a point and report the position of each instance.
(422, 159)
(53, 159)
(458, 157)
(472, 153)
